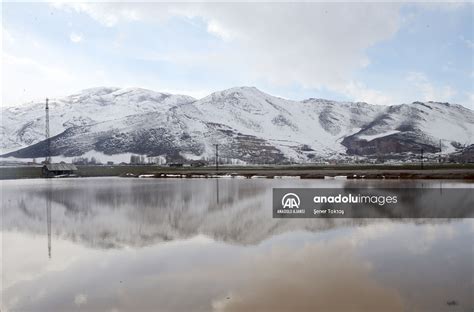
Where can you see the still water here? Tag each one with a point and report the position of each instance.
(114, 244)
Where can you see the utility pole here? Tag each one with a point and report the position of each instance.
(421, 158)
(48, 141)
(217, 157)
(439, 158)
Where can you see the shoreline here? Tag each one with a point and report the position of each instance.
(325, 174)
(448, 172)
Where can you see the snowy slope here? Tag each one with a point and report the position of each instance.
(25, 125)
(295, 128)
(248, 124)
(408, 127)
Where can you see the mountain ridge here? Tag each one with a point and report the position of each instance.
(250, 125)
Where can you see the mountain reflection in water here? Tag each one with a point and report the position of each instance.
(212, 245)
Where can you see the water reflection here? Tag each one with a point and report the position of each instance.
(212, 245)
(113, 213)
(48, 198)
(217, 191)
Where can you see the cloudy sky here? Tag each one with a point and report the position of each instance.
(381, 53)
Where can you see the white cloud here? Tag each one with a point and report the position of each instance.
(358, 91)
(75, 38)
(467, 42)
(107, 13)
(311, 44)
(34, 79)
(35, 73)
(215, 28)
(29, 78)
(426, 91)
(470, 98)
(46, 70)
(80, 299)
(6, 35)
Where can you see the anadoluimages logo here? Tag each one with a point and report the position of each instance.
(373, 203)
(291, 201)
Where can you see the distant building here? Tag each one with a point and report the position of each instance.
(53, 170)
(198, 164)
(175, 165)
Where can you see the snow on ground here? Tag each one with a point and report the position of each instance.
(25, 125)
(191, 156)
(297, 129)
(99, 156)
(375, 136)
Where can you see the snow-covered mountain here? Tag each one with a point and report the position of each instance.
(409, 127)
(25, 125)
(248, 124)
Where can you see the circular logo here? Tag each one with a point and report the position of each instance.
(290, 200)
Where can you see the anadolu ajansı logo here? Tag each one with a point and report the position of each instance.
(290, 201)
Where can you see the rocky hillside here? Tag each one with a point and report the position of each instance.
(249, 125)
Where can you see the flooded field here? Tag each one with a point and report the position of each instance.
(116, 244)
